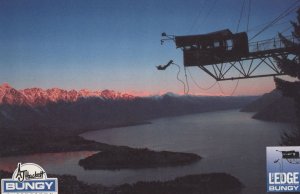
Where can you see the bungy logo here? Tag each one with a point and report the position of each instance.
(29, 178)
(283, 169)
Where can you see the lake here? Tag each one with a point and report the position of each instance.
(229, 141)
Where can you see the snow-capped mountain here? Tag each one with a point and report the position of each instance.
(73, 110)
(9, 95)
(38, 96)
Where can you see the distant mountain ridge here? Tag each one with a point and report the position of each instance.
(262, 102)
(39, 97)
(272, 107)
(83, 110)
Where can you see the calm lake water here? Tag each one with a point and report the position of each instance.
(228, 141)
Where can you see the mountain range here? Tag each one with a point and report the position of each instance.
(83, 110)
(272, 107)
(39, 97)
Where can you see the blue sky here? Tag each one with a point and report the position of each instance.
(115, 44)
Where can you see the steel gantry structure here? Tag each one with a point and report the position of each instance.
(221, 53)
(261, 53)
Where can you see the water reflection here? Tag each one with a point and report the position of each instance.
(229, 141)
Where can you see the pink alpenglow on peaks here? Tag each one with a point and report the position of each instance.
(38, 96)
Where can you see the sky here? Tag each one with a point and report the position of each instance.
(115, 44)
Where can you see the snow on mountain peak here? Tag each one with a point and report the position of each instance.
(5, 86)
(38, 96)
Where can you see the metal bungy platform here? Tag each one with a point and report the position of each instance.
(261, 54)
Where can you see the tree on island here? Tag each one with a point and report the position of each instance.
(291, 89)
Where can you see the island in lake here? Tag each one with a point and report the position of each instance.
(129, 158)
(36, 121)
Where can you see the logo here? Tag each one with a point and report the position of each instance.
(283, 169)
(29, 178)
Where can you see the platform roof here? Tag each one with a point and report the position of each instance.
(182, 41)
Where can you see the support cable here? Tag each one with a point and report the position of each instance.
(197, 18)
(241, 14)
(236, 86)
(221, 89)
(209, 12)
(248, 18)
(254, 28)
(194, 81)
(285, 13)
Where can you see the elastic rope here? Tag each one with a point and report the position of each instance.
(179, 78)
(194, 81)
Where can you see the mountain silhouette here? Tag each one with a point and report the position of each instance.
(90, 110)
(272, 107)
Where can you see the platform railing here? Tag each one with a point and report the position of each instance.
(269, 44)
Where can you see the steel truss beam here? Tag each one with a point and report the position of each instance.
(248, 67)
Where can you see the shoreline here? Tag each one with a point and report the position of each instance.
(209, 183)
(68, 142)
(82, 145)
(115, 157)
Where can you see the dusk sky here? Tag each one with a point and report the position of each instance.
(115, 44)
